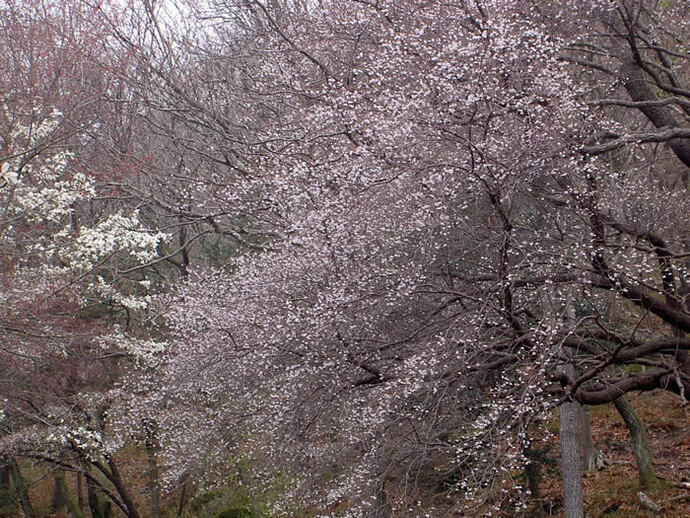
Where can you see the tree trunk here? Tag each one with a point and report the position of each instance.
(122, 490)
(153, 487)
(4, 477)
(637, 83)
(570, 461)
(59, 500)
(65, 498)
(20, 488)
(589, 452)
(7, 502)
(80, 491)
(638, 435)
(183, 499)
(533, 480)
(98, 504)
(112, 473)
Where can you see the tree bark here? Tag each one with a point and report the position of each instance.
(638, 435)
(589, 454)
(65, 499)
(153, 487)
(59, 500)
(7, 503)
(20, 487)
(183, 499)
(122, 490)
(80, 492)
(99, 506)
(637, 83)
(570, 461)
(533, 480)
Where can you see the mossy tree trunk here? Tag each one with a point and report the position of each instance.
(638, 435)
(99, 505)
(80, 492)
(59, 500)
(62, 496)
(7, 501)
(20, 488)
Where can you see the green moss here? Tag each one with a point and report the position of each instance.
(633, 368)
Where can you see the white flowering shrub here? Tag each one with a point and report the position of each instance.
(43, 198)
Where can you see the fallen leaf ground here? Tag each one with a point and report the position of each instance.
(612, 491)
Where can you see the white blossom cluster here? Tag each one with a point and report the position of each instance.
(116, 233)
(88, 442)
(146, 351)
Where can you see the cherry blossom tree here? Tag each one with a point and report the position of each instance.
(470, 225)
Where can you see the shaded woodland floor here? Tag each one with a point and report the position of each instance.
(612, 491)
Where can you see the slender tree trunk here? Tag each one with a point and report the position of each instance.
(570, 461)
(98, 504)
(80, 491)
(59, 500)
(113, 474)
(638, 436)
(4, 477)
(533, 480)
(153, 487)
(571, 475)
(589, 452)
(7, 503)
(20, 488)
(122, 490)
(92, 499)
(184, 265)
(183, 499)
(66, 497)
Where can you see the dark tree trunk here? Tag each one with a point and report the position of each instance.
(99, 505)
(637, 83)
(122, 490)
(153, 487)
(65, 499)
(533, 479)
(112, 473)
(183, 499)
(80, 492)
(7, 502)
(20, 487)
(59, 500)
